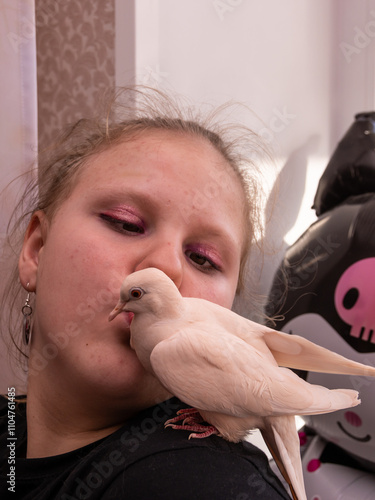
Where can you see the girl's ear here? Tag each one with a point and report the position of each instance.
(32, 248)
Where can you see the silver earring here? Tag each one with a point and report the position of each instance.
(26, 311)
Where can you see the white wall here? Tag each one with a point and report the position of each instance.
(18, 124)
(285, 60)
(353, 62)
(275, 57)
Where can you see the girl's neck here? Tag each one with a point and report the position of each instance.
(53, 429)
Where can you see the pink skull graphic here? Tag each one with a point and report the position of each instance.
(355, 299)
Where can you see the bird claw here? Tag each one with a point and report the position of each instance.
(188, 415)
(191, 421)
(204, 431)
(189, 411)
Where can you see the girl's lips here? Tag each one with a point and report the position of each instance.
(128, 317)
(121, 324)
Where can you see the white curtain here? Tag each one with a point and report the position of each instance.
(18, 120)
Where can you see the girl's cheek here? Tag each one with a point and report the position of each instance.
(222, 294)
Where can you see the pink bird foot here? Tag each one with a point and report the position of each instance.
(191, 421)
(190, 414)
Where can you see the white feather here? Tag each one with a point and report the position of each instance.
(231, 369)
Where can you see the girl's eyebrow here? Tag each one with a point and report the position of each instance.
(122, 197)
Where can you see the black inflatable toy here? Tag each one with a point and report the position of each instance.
(324, 290)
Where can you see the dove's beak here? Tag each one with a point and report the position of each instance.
(116, 311)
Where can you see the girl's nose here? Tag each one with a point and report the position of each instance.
(166, 256)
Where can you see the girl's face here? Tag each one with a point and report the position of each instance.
(160, 200)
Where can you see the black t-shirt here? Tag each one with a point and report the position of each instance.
(140, 461)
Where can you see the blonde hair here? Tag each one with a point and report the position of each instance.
(127, 112)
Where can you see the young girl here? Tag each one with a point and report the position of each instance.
(153, 189)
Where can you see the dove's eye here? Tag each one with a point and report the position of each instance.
(136, 293)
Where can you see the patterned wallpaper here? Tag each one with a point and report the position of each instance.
(75, 60)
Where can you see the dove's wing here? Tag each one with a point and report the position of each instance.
(299, 353)
(219, 372)
(198, 367)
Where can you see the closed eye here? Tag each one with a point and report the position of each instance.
(123, 226)
(201, 261)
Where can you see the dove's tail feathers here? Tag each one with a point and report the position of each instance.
(281, 436)
(290, 394)
(299, 353)
(331, 400)
(346, 398)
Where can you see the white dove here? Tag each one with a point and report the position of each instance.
(230, 369)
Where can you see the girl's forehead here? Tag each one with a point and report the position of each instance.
(167, 165)
(157, 141)
(183, 156)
